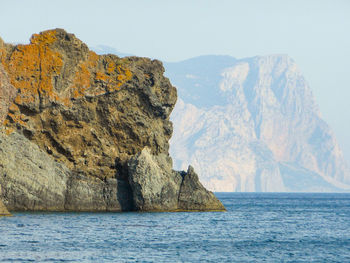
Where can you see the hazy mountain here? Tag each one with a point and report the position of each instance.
(102, 49)
(252, 125)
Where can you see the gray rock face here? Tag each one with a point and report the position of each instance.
(31, 180)
(93, 194)
(155, 186)
(253, 125)
(193, 196)
(3, 209)
(7, 93)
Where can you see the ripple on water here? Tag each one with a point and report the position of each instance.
(256, 227)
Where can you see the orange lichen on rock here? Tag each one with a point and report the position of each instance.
(32, 68)
(110, 67)
(124, 75)
(13, 108)
(2, 55)
(94, 79)
(46, 37)
(101, 76)
(17, 118)
(44, 72)
(117, 74)
(83, 78)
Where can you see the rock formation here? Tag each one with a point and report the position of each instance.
(155, 186)
(7, 94)
(3, 210)
(253, 125)
(32, 180)
(77, 124)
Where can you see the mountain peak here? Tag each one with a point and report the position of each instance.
(254, 126)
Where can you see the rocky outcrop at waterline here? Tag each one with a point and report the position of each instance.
(76, 126)
(33, 181)
(7, 94)
(155, 186)
(3, 209)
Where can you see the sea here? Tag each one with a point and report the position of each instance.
(257, 227)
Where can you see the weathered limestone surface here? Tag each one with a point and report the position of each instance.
(77, 125)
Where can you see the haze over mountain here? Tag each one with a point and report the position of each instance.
(253, 125)
(103, 49)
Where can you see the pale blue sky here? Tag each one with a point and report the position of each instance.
(315, 33)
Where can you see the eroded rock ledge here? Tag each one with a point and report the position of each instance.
(83, 132)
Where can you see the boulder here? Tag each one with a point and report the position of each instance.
(194, 197)
(155, 186)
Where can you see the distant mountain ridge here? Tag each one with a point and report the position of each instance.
(253, 125)
(103, 49)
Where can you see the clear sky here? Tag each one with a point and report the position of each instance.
(315, 33)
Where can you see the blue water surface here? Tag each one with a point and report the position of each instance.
(258, 227)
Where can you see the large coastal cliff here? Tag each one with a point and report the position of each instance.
(84, 132)
(253, 125)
